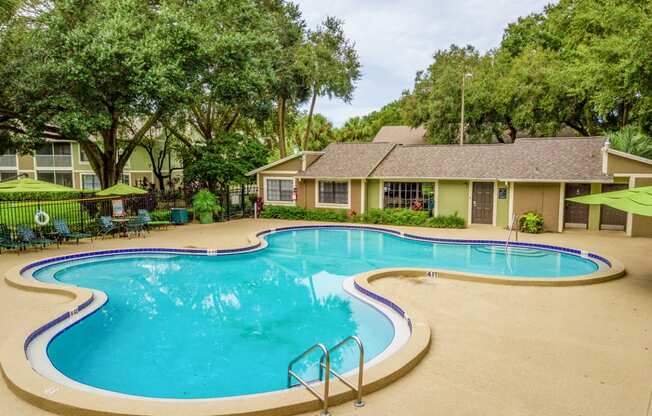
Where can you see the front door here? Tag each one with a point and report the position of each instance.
(576, 215)
(482, 210)
(612, 218)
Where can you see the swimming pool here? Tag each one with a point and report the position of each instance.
(193, 326)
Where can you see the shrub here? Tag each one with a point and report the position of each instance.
(531, 222)
(160, 215)
(446, 221)
(14, 213)
(373, 216)
(298, 213)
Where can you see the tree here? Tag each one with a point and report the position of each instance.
(218, 164)
(331, 65)
(289, 86)
(632, 141)
(94, 72)
(321, 133)
(160, 149)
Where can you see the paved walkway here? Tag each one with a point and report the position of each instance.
(496, 350)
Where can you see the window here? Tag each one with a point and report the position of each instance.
(125, 178)
(90, 182)
(59, 177)
(334, 193)
(83, 157)
(406, 194)
(7, 175)
(280, 190)
(54, 155)
(8, 159)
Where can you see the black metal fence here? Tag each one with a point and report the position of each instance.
(82, 214)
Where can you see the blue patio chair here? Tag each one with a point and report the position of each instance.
(147, 219)
(29, 237)
(63, 232)
(7, 242)
(136, 226)
(106, 226)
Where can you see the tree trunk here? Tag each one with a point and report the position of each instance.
(281, 127)
(512, 130)
(304, 143)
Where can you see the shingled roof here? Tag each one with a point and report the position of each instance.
(545, 159)
(348, 160)
(401, 135)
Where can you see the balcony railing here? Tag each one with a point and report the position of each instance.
(54, 161)
(7, 161)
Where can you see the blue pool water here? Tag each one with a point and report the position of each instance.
(182, 326)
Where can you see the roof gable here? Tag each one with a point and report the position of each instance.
(348, 160)
(401, 135)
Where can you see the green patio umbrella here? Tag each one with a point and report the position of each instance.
(121, 189)
(635, 200)
(25, 185)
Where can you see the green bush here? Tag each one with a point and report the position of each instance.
(298, 213)
(160, 215)
(446, 221)
(45, 196)
(531, 222)
(23, 212)
(373, 216)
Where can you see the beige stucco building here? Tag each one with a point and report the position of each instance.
(484, 184)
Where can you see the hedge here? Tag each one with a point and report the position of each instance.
(14, 213)
(373, 216)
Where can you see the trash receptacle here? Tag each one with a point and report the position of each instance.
(179, 216)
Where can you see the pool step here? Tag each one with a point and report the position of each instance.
(325, 367)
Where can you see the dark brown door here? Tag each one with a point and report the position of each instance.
(576, 215)
(482, 211)
(612, 218)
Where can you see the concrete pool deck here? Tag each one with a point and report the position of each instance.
(495, 349)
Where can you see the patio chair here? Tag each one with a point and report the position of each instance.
(136, 226)
(106, 227)
(63, 232)
(147, 219)
(7, 242)
(29, 237)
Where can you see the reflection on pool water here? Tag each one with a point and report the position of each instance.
(183, 326)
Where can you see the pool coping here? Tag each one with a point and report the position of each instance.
(50, 395)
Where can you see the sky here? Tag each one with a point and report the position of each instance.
(395, 39)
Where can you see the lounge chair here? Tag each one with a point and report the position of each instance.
(27, 236)
(7, 242)
(136, 226)
(63, 232)
(147, 219)
(106, 227)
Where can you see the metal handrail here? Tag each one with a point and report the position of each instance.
(324, 358)
(358, 390)
(509, 235)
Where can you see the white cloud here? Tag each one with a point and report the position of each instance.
(397, 38)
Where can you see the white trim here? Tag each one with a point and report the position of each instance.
(629, 225)
(630, 156)
(436, 211)
(510, 209)
(280, 161)
(433, 178)
(279, 178)
(469, 208)
(495, 207)
(632, 175)
(562, 198)
(363, 196)
(280, 172)
(328, 205)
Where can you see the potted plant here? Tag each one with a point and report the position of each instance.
(204, 205)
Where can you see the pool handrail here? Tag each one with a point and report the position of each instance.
(358, 402)
(327, 359)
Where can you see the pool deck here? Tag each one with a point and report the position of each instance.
(508, 350)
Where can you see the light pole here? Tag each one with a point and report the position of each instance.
(464, 77)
